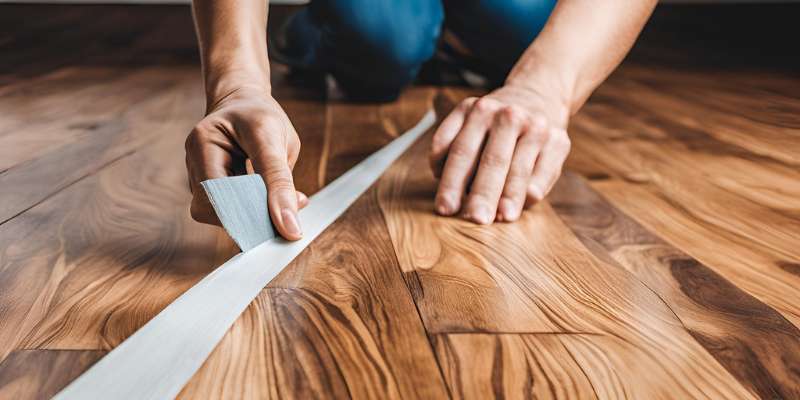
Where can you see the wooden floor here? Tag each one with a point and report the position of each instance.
(666, 263)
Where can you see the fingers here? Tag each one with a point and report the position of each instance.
(462, 157)
(482, 203)
(548, 166)
(514, 193)
(206, 158)
(302, 200)
(282, 199)
(445, 134)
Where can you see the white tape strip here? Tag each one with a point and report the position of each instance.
(158, 360)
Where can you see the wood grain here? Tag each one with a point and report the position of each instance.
(670, 269)
(504, 282)
(716, 190)
(120, 245)
(338, 321)
(40, 374)
(524, 366)
(753, 341)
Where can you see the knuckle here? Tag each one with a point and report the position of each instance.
(495, 160)
(562, 141)
(259, 125)
(515, 188)
(484, 105)
(538, 123)
(437, 144)
(459, 152)
(479, 196)
(277, 180)
(194, 139)
(467, 103)
(514, 115)
(448, 186)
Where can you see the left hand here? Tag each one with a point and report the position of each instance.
(499, 154)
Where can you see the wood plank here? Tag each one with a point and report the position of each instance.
(510, 366)
(339, 320)
(741, 202)
(356, 130)
(760, 273)
(765, 135)
(40, 374)
(751, 340)
(88, 266)
(104, 139)
(666, 168)
(41, 39)
(556, 366)
(535, 276)
(44, 115)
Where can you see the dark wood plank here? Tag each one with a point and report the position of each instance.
(40, 374)
(750, 339)
(513, 366)
(37, 39)
(338, 322)
(740, 198)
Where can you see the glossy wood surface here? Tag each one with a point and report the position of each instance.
(665, 264)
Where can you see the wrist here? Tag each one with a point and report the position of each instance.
(555, 84)
(541, 96)
(221, 82)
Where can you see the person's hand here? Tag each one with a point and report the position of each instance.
(247, 124)
(499, 154)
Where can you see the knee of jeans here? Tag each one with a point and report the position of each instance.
(522, 20)
(389, 34)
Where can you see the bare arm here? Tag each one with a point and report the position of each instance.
(582, 43)
(243, 121)
(233, 47)
(511, 144)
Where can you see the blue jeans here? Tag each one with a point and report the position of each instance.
(375, 47)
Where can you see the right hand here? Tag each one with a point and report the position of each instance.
(247, 124)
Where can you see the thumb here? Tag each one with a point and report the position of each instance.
(281, 195)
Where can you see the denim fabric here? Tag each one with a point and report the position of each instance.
(376, 47)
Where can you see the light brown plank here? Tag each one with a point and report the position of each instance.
(88, 266)
(94, 140)
(535, 276)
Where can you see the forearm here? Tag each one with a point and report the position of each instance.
(233, 49)
(578, 48)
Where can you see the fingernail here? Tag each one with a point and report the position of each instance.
(290, 222)
(535, 193)
(507, 209)
(445, 206)
(481, 214)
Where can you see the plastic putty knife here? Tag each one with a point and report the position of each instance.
(241, 205)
